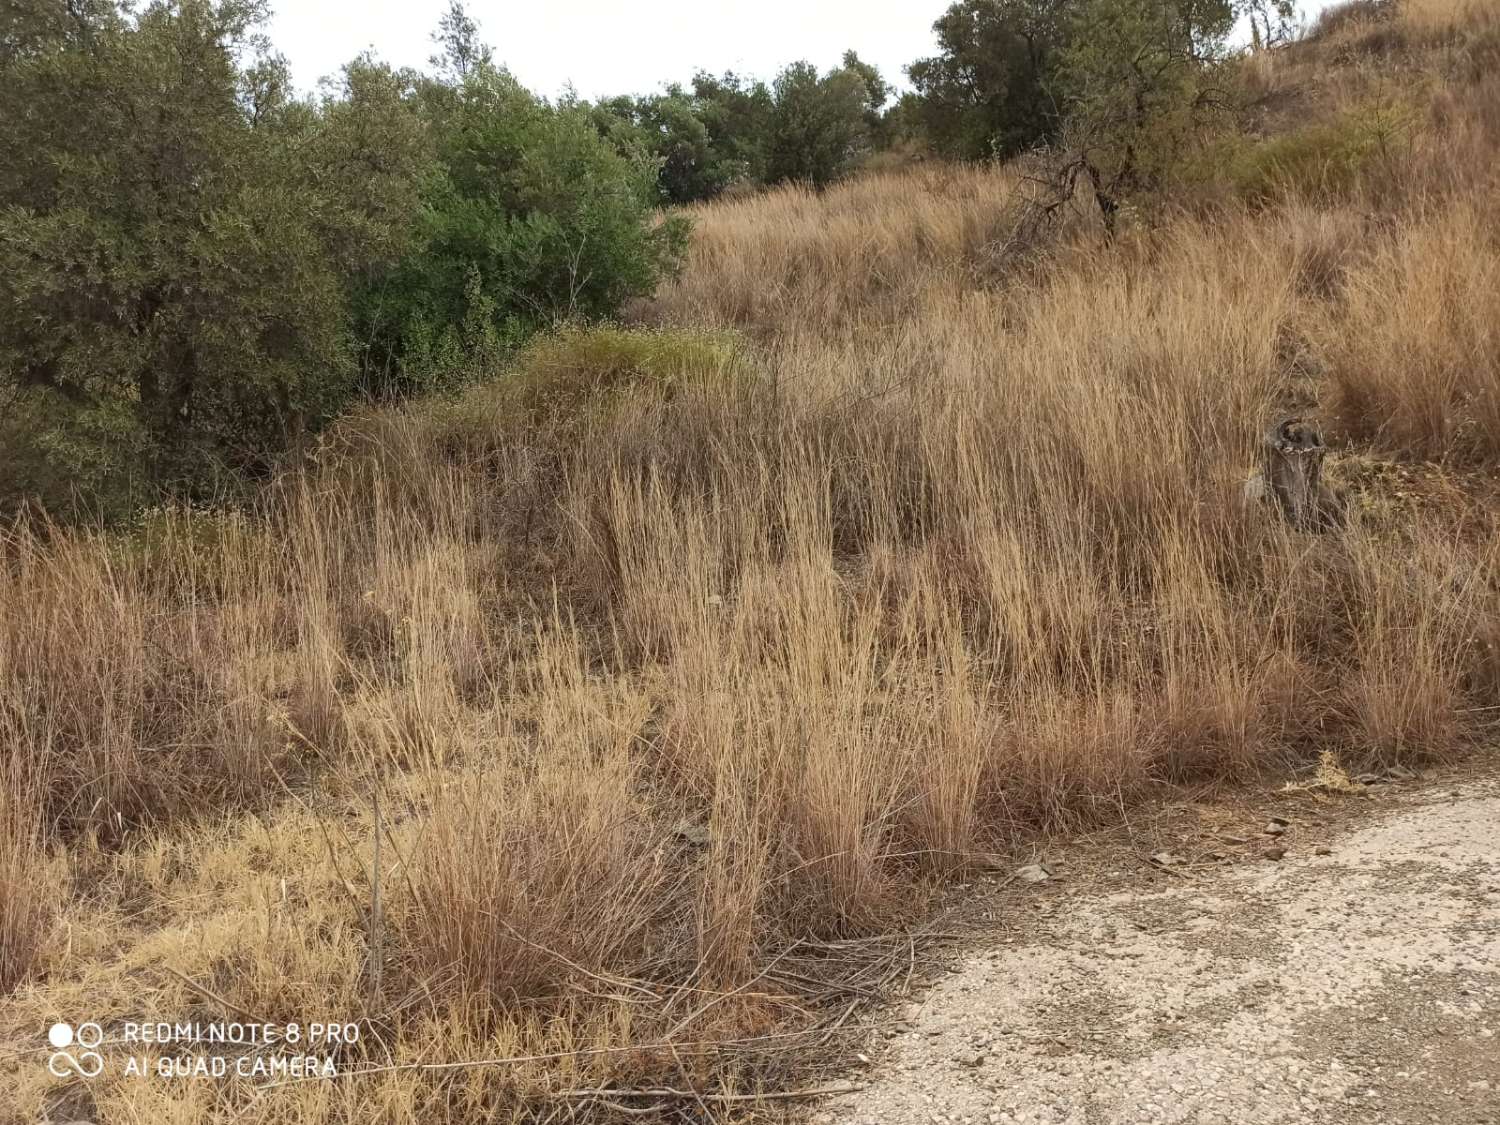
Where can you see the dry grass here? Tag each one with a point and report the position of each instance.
(688, 660)
(1425, 383)
(31, 881)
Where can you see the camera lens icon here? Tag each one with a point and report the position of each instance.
(86, 1063)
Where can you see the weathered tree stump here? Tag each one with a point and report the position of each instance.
(1292, 475)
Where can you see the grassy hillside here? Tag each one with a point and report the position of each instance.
(663, 671)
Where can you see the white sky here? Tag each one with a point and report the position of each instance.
(606, 47)
(614, 46)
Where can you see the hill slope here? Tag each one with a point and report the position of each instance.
(620, 715)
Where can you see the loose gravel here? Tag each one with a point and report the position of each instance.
(1354, 981)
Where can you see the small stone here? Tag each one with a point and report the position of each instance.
(1274, 853)
(1400, 773)
(1167, 859)
(1322, 849)
(1033, 873)
(1235, 839)
(1369, 779)
(972, 1059)
(1275, 828)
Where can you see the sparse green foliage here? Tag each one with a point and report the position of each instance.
(1327, 159)
(1272, 22)
(1118, 87)
(1126, 64)
(460, 50)
(1136, 80)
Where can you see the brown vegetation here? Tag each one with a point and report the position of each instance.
(693, 651)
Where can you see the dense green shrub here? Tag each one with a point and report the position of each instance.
(531, 219)
(808, 127)
(821, 124)
(173, 260)
(202, 269)
(673, 129)
(736, 111)
(985, 92)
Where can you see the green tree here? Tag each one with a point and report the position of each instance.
(461, 51)
(669, 128)
(738, 114)
(530, 219)
(986, 91)
(877, 93)
(173, 257)
(820, 125)
(1136, 79)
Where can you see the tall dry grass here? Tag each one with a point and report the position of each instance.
(1427, 382)
(663, 673)
(31, 881)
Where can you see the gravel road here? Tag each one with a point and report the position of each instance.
(1357, 980)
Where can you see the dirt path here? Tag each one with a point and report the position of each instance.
(1360, 985)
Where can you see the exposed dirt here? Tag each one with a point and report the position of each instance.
(1356, 979)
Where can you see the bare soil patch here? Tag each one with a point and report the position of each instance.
(1356, 979)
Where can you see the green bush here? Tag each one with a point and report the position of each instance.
(566, 373)
(727, 131)
(820, 125)
(985, 93)
(204, 269)
(673, 130)
(532, 219)
(173, 260)
(557, 382)
(1322, 160)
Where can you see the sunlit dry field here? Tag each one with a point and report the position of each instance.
(596, 717)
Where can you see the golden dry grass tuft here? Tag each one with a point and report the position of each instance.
(609, 715)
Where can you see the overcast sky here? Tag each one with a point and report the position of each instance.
(606, 47)
(613, 46)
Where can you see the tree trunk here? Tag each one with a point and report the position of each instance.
(1292, 468)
